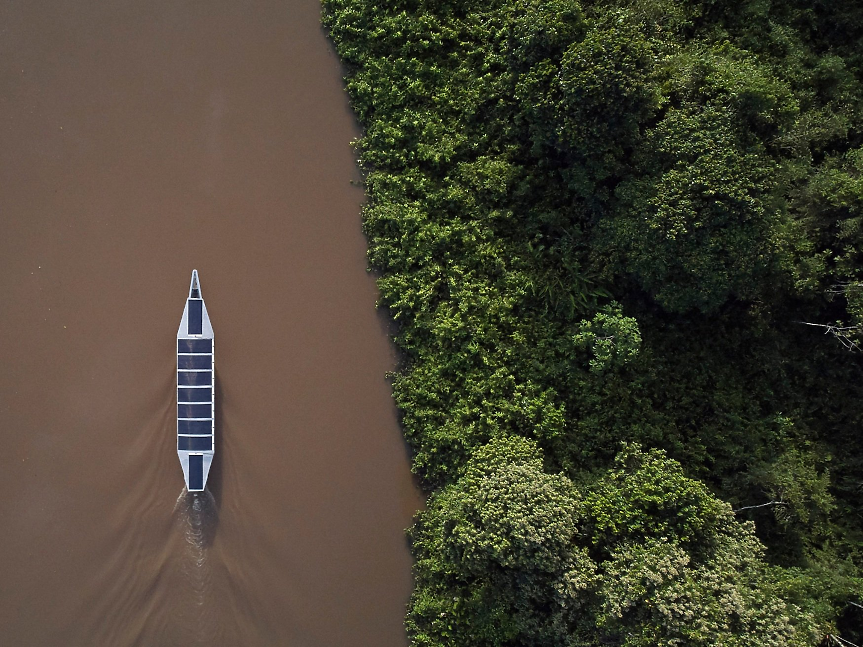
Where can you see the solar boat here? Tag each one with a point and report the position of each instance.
(195, 390)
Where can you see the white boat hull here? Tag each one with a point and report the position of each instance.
(196, 431)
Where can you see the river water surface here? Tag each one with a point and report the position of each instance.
(140, 140)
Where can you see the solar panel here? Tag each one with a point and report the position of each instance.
(195, 427)
(196, 472)
(194, 345)
(195, 361)
(200, 378)
(196, 317)
(194, 395)
(195, 443)
(194, 411)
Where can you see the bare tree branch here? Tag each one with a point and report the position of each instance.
(844, 288)
(842, 333)
(841, 641)
(762, 505)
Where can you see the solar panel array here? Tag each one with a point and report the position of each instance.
(194, 392)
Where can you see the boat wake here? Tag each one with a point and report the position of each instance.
(196, 514)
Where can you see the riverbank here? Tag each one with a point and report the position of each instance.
(598, 228)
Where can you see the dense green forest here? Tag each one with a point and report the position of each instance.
(622, 242)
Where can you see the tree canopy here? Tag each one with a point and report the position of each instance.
(612, 235)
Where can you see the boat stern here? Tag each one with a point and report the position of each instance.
(196, 469)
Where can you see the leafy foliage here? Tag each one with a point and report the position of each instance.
(607, 222)
(510, 554)
(497, 563)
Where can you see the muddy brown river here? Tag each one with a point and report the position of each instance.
(140, 140)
